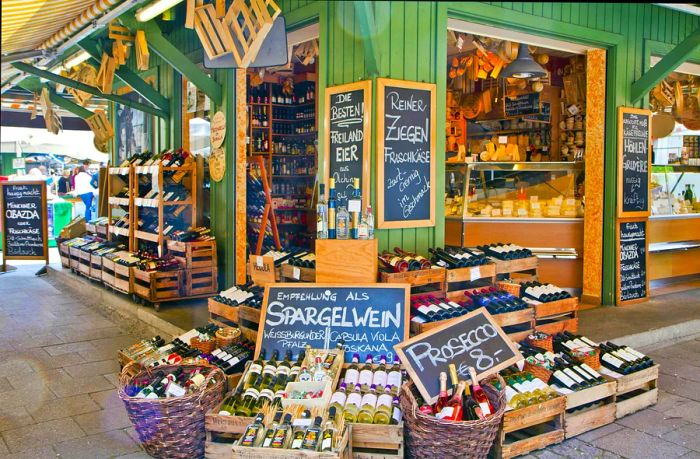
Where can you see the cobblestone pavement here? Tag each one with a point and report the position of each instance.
(58, 374)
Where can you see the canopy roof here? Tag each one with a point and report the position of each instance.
(75, 144)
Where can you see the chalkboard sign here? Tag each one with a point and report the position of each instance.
(632, 261)
(348, 126)
(473, 340)
(370, 318)
(24, 222)
(634, 158)
(544, 117)
(405, 154)
(524, 104)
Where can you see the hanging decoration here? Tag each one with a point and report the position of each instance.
(217, 164)
(105, 76)
(52, 119)
(141, 50)
(101, 128)
(307, 52)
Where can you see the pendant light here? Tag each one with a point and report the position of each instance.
(524, 66)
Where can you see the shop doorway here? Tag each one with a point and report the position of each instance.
(524, 150)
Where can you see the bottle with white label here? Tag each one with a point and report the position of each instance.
(368, 406)
(329, 432)
(394, 377)
(352, 405)
(380, 376)
(382, 413)
(366, 374)
(352, 374)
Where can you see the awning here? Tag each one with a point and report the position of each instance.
(74, 144)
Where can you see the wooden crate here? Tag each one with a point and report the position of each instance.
(636, 391)
(376, 441)
(556, 316)
(95, 267)
(524, 316)
(64, 252)
(108, 272)
(195, 254)
(123, 279)
(90, 228)
(84, 263)
(344, 451)
(515, 266)
(156, 286)
(422, 282)
(223, 313)
(74, 256)
(531, 428)
(346, 261)
(579, 421)
(201, 281)
(289, 273)
(459, 279)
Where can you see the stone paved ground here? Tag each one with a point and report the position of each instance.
(58, 374)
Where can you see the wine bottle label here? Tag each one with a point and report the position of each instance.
(175, 390)
(396, 415)
(394, 378)
(626, 355)
(590, 371)
(327, 441)
(510, 393)
(418, 320)
(267, 441)
(269, 369)
(485, 409)
(279, 437)
(254, 368)
(384, 400)
(253, 392)
(225, 412)
(339, 398)
(584, 373)
(573, 375)
(446, 412)
(379, 378)
(568, 382)
(249, 436)
(629, 350)
(365, 377)
(355, 398)
(369, 399)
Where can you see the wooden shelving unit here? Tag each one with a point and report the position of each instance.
(268, 213)
(117, 179)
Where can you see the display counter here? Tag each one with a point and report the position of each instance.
(674, 229)
(536, 205)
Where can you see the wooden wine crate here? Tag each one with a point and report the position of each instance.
(289, 273)
(515, 266)
(524, 316)
(95, 267)
(108, 272)
(155, 286)
(423, 281)
(123, 279)
(344, 451)
(201, 281)
(459, 279)
(578, 421)
(223, 313)
(557, 316)
(195, 254)
(90, 228)
(64, 252)
(531, 428)
(376, 441)
(84, 263)
(346, 261)
(636, 391)
(74, 255)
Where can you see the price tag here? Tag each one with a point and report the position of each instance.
(296, 273)
(354, 205)
(503, 139)
(259, 261)
(474, 273)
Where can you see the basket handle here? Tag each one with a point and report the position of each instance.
(131, 370)
(205, 384)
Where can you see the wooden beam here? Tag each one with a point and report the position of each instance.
(175, 58)
(666, 65)
(35, 86)
(89, 89)
(129, 77)
(365, 15)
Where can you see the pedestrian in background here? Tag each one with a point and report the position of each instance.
(85, 191)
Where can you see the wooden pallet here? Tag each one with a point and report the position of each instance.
(195, 254)
(201, 281)
(428, 280)
(157, 286)
(460, 279)
(531, 428)
(557, 316)
(636, 391)
(578, 421)
(95, 267)
(289, 273)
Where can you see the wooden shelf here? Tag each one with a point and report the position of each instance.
(508, 131)
(296, 135)
(146, 236)
(294, 176)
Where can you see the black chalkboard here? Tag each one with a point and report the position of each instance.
(544, 117)
(406, 153)
(24, 222)
(370, 318)
(632, 261)
(473, 340)
(633, 185)
(524, 104)
(348, 112)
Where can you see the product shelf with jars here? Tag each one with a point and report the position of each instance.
(532, 204)
(674, 238)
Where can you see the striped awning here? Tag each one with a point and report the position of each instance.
(26, 24)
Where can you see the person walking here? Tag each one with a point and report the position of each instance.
(85, 191)
(64, 183)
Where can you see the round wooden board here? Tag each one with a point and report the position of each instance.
(217, 164)
(218, 130)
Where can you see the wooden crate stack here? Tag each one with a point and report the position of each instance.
(636, 391)
(460, 279)
(198, 259)
(244, 317)
(432, 280)
(530, 428)
(520, 270)
(557, 316)
(578, 421)
(157, 286)
(95, 267)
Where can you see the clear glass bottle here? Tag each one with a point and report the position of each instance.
(368, 406)
(329, 432)
(342, 223)
(369, 217)
(253, 432)
(321, 214)
(283, 433)
(382, 413)
(312, 437)
(270, 432)
(352, 405)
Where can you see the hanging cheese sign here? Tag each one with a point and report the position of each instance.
(218, 129)
(217, 164)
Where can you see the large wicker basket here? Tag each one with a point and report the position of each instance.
(427, 436)
(172, 427)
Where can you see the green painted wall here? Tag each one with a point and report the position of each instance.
(411, 44)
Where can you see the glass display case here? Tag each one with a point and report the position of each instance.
(674, 190)
(520, 190)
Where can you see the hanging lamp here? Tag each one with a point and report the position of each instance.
(524, 66)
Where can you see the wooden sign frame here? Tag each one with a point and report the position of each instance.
(621, 213)
(382, 84)
(451, 323)
(618, 294)
(296, 285)
(366, 86)
(44, 216)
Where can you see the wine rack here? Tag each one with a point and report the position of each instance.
(118, 179)
(261, 221)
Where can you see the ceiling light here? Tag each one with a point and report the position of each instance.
(76, 59)
(524, 66)
(154, 9)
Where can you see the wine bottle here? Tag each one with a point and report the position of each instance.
(252, 434)
(332, 204)
(479, 395)
(329, 432)
(393, 263)
(442, 396)
(423, 263)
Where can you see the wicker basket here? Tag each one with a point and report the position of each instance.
(172, 427)
(206, 346)
(427, 436)
(545, 343)
(592, 361)
(537, 371)
(227, 336)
